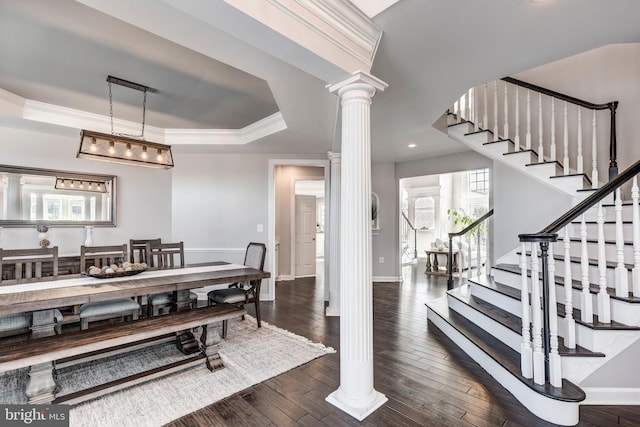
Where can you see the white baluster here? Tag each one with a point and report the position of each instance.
(461, 265)
(469, 256)
(456, 111)
(487, 265)
(528, 134)
(463, 108)
(594, 152)
(635, 195)
(478, 259)
(622, 274)
(565, 138)
(526, 351)
(485, 114)
(555, 362)
(552, 148)
(516, 138)
(579, 159)
(570, 323)
(536, 316)
(540, 132)
(476, 122)
(604, 309)
(586, 303)
(505, 134)
(495, 110)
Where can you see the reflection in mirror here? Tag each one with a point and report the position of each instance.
(31, 196)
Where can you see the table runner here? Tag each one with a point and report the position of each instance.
(87, 280)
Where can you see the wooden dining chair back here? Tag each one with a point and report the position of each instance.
(26, 265)
(245, 292)
(165, 255)
(101, 256)
(139, 247)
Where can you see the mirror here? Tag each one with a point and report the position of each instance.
(30, 196)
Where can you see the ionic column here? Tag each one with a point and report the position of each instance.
(333, 309)
(356, 395)
(14, 197)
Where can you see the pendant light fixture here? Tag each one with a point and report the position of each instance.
(125, 148)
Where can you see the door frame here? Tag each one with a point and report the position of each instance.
(271, 239)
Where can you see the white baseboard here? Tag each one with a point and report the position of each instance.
(392, 279)
(284, 277)
(611, 396)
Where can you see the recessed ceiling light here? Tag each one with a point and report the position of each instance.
(412, 145)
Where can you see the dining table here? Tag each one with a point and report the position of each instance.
(41, 297)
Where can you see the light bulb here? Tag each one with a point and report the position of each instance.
(91, 186)
(81, 184)
(72, 185)
(144, 152)
(94, 145)
(128, 152)
(62, 184)
(112, 147)
(159, 158)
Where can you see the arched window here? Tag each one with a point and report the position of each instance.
(424, 208)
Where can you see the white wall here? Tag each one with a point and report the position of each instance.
(521, 205)
(143, 194)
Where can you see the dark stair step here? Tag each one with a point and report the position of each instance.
(513, 322)
(615, 326)
(503, 354)
(606, 242)
(576, 260)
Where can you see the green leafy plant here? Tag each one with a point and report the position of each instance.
(461, 220)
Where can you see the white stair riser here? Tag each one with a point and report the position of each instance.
(461, 129)
(479, 138)
(552, 410)
(609, 213)
(576, 369)
(611, 251)
(609, 230)
(621, 311)
(522, 159)
(576, 272)
(499, 331)
(496, 149)
(544, 170)
(506, 303)
(568, 183)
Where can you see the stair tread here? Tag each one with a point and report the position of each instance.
(477, 131)
(606, 242)
(503, 354)
(577, 316)
(576, 260)
(575, 284)
(520, 151)
(512, 321)
(546, 162)
(497, 141)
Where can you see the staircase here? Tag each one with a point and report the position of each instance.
(558, 320)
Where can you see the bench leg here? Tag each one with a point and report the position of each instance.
(210, 339)
(185, 341)
(41, 385)
(42, 324)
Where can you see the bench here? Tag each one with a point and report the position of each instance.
(41, 354)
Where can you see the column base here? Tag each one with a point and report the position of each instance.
(332, 311)
(358, 410)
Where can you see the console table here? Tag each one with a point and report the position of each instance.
(433, 266)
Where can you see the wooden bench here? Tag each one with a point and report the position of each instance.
(41, 354)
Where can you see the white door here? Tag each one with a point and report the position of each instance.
(305, 236)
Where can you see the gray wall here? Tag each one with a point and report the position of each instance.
(143, 195)
(385, 243)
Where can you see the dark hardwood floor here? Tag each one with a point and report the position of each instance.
(427, 379)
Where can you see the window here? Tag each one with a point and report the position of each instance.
(479, 181)
(424, 208)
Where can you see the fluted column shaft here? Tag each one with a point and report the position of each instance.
(333, 309)
(356, 394)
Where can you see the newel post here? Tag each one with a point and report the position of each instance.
(613, 165)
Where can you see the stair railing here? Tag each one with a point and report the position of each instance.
(407, 226)
(481, 106)
(473, 227)
(539, 351)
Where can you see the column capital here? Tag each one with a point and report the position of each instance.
(334, 156)
(359, 79)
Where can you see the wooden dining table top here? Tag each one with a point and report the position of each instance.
(60, 295)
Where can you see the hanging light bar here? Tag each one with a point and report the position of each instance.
(120, 149)
(75, 184)
(125, 148)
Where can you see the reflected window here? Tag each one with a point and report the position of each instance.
(424, 210)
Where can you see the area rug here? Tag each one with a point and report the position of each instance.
(250, 355)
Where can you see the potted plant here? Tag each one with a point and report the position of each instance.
(461, 220)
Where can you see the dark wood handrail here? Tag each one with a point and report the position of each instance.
(472, 225)
(586, 104)
(467, 229)
(611, 106)
(415, 236)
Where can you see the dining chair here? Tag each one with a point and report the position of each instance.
(139, 247)
(245, 292)
(164, 255)
(100, 256)
(22, 266)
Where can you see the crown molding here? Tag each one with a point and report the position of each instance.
(11, 104)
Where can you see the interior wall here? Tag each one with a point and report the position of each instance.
(144, 195)
(521, 205)
(285, 177)
(384, 244)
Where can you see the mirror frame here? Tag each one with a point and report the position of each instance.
(25, 223)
